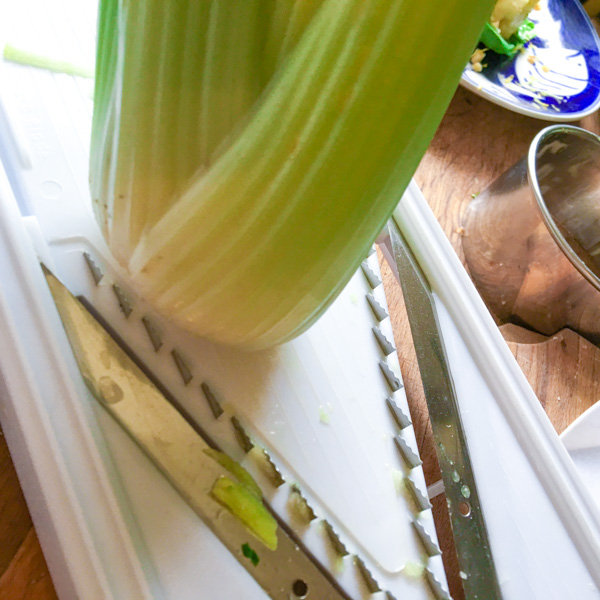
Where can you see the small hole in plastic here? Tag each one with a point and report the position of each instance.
(300, 588)
(464, 508)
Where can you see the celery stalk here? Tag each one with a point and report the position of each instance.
(174, 79)
(287, 23)
(242, 200)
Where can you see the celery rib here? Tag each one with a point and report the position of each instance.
(305, 133)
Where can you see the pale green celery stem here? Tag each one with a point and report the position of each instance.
(304, 109)
(315, 156)
(103, 121)
(125, 158)
(104, 66)
(302, 15)
(231, 74)
(166, 137)
(188, 155)
(264, 173)
(290, 19)
(163, 143)
(141, 180)
(49, 63)
(105, 163)
(366, 176)
(275, 34)
(106, 51)
(221, 80)
(176, 118)
(258, 167)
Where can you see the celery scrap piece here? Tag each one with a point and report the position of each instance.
(248, 508)
(41, 61)
(236, 470)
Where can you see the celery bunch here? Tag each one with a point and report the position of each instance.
(246, 153)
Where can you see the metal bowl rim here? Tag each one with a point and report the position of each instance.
(543, 208)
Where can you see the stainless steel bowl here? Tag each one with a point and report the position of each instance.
(532, 239)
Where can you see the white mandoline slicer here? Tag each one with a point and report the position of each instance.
(328, 408)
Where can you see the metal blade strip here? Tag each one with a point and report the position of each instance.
(468, 525)
(178, 451)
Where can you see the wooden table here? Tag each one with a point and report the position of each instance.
(475, 143)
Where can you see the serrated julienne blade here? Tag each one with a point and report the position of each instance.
(179, 452)
(468, 525)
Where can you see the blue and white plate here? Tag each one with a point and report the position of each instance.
(556, 77)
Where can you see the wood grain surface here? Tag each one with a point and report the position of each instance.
(23, 571)
(475, 143)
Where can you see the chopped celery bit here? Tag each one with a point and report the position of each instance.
(248, 508)
(41, 61)
(236, 470)
(413, 569)
(325, 414)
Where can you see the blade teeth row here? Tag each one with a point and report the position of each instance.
(372, 277)
(399, 416)
(182, 366)
(97, 275)
(409, 455)
(154, 336)
(278, 478)
(334, 539)
(94, 268)
(429, 545)
(242, 437)
(436, 586)
(392, 380)
(421, 500)
(153, 333)
(301, 505)
(342, 551)
(412, 459)
(368, 578)
(263, 458)
(123, 300)
(267, 466)
(336, 543)
(213, 403)
(386, 345)
(378, 310)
